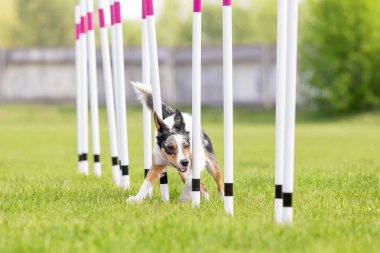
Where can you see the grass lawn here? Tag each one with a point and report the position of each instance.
(45, 206)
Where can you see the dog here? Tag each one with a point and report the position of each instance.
(172, 147)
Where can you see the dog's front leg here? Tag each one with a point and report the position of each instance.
(152, 177)
(186, 189)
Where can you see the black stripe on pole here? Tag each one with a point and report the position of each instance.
(96, 158)
(114, 161)
(278, 191)
(146, 172)
(164, 178)
(124, 170)
(288, 199)
(80, 157)
(228, 189)
(196, 185)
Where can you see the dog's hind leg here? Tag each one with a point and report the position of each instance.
(153, 175)
(213, 168)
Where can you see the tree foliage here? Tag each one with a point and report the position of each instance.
(340, 54)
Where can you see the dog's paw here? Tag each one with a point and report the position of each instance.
(134, 200)
(221, 194)
(205, 195)
(184, 199)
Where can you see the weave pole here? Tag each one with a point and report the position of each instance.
(197, 149)
(78, 81)
(110, 103)
(84, 91)
(280, 108)
(115, 84)
(228, 107)
(290, 109)
(93, 88)
(147, 117)
(122, 118)
(155, 81)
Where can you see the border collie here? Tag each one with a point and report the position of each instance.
(172, 147)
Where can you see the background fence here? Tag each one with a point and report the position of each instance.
(48, 75)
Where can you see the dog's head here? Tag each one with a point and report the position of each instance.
(174, 141)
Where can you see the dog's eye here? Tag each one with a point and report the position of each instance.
(170, 148)
(186, 146)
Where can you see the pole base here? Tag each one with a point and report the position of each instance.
(196, 198)
(98, 169)
(287, 215)
(125, 182)
(278, 211)
(116, 174)
(229, 205)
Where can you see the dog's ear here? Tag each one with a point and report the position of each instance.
(179, 124)
(160, 124)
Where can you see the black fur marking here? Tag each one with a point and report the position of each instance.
(179, 125)
(170, 150)
(167, 111)
(160, 124)
(207, 143)
(164, 132)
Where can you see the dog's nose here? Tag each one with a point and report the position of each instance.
(184, 162)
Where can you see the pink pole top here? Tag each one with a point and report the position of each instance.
(227, 2)
(143, 9)
(90, 21)
(117, 12)
(197, 5)
(83, 28)
(102, 22)
(112, 11)
(77, 31)
(149, 8)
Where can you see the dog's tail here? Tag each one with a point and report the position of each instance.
(144, 94)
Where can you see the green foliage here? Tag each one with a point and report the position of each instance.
(340, 54)
(43, 23)
(45, 206)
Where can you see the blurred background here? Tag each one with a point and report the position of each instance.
(339, 52)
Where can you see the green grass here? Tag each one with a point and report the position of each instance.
(45, 206)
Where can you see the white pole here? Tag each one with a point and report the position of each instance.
(78, 80)
(228, 107)
(109, 91)
(115, 85)
(155, 79)
(123, 138)
(280, 107)
(147, 117)
(291, 79)
(93, 88)
(197, 150)
(84, 92)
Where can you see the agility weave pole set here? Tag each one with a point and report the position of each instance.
(287, 27)
(114, 80)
